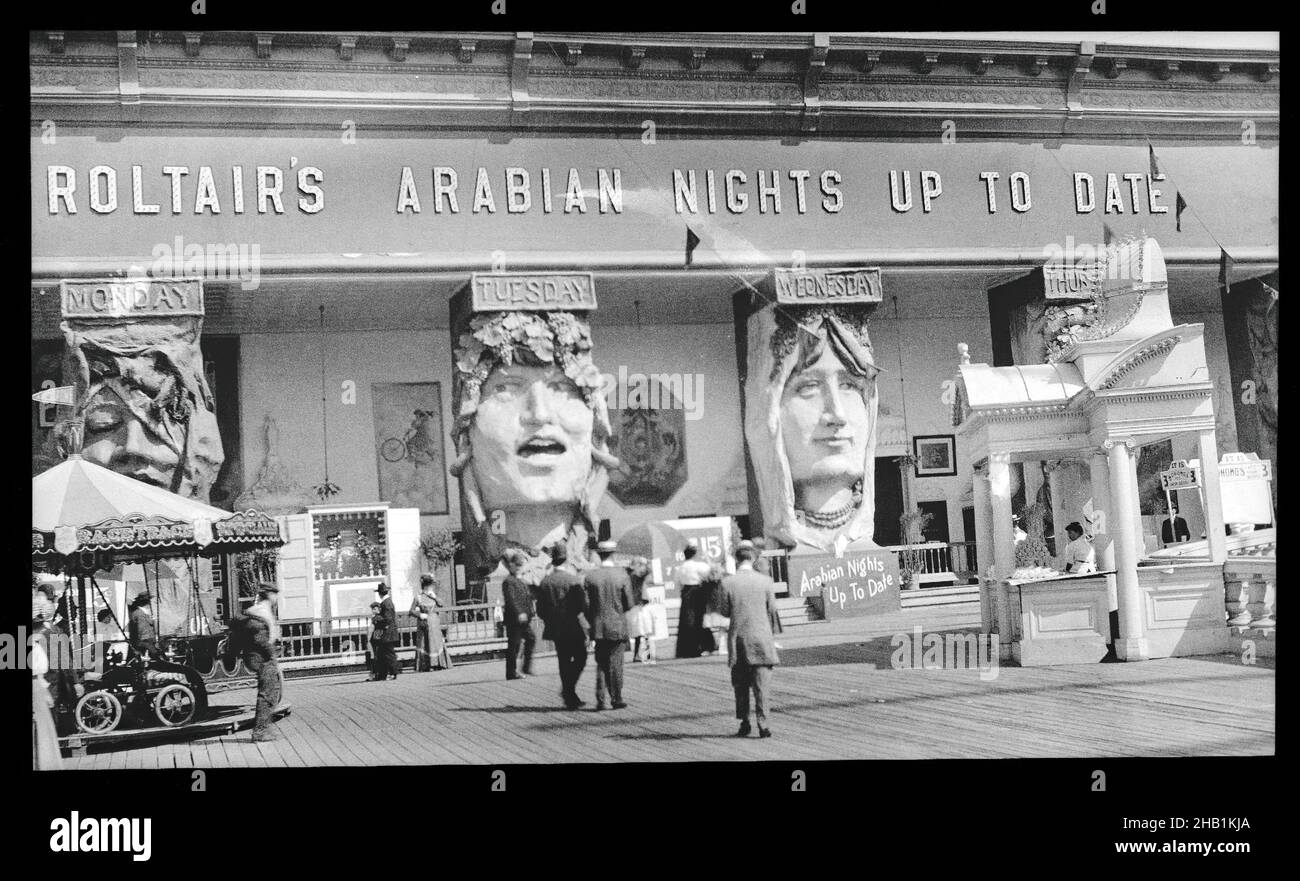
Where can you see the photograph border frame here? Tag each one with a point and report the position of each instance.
(950, 440)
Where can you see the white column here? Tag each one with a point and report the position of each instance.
(1004, 546)
(1004, 539)
(1131, 645)
(983, 545)
(1060, 513)
(1209, 454)
(1102, 505)
(1102, 543)
(1137, 502)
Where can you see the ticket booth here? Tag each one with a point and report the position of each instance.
(1116, 374)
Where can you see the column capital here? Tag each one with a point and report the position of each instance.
(1111, 442)
(1001, 458)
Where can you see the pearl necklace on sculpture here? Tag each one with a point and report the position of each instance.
(836, 518)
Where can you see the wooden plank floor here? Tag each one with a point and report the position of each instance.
(836, 696)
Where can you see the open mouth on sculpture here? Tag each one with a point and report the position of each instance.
(541, 446)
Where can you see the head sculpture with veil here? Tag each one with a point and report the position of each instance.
(810, 423)
(531, 432)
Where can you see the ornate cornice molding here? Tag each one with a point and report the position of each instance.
(1137, 359)
(840, 83)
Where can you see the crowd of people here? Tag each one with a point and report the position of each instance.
(604, 611)
(607, 610)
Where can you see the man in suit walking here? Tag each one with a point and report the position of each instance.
(748, 598)
(386, 636)
(519, 618)
(609, 597)
(562, 603)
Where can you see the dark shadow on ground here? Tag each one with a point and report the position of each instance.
(666, 736)
(514, 709)
(875, 652)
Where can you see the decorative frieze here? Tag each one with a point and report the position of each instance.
(1140, 357)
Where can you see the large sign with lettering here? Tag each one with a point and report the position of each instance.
(804, 287)
(1245, 481)
(132, 298)
(539, 291)
(859, 583)
(100, 194)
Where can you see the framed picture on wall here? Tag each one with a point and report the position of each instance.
(936, 455)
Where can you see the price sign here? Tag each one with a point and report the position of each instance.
(859, 583)
(1179, 478)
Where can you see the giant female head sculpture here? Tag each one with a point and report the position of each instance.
(531, 431)
(810, 423)
(146, 406)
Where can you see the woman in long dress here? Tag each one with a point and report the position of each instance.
(45, 739)
(430, 647)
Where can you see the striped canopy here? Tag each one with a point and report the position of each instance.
(79, 506)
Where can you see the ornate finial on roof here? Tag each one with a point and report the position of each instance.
(963, 351)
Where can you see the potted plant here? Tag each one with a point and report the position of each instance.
(439, 547)
(911, 525)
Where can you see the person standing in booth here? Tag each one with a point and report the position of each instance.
(518, 599)
(1175, 531)
(1080, 558)
(609, 599)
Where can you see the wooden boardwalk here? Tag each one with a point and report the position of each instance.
(836, 696)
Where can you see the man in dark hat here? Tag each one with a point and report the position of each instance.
(256, 633)
(386, 636)
(562, 605)
(609, 597)
(518, 617)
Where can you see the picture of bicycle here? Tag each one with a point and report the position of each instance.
(418, 444)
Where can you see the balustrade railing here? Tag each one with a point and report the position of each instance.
(936, 558)
(347, 636)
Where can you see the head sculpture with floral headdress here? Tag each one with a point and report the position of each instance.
(531, 430)
(810, 423)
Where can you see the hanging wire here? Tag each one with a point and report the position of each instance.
(324, 412)
(902, 392)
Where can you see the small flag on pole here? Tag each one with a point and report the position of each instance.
(1225, 266)
(1107, 234)
(1180, 205)
(691, 241)
(1155, 166)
